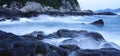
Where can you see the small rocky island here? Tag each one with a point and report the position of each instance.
(13, 9)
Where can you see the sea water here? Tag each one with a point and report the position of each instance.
(49, 24)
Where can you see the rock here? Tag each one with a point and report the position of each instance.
(70, 41)
(106, 13)
(66, 33)
(90, 12)
(97, 52)
(72, 34)
(99, 22)
(96, 36)
(2, 19)
(110, 45)
(69, 47)
(16, 5)
(70, 5)
(36, 35)
(13, 45)
(32, 7)
(11, 14)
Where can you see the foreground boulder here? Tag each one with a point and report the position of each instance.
(99, 22)
(13, 45)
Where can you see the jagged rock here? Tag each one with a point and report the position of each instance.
(69, 6)
(97, 52)
(98, 22)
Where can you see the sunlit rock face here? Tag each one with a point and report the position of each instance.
(70, 5)
(32, 6)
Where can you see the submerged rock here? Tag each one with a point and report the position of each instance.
(99, 22)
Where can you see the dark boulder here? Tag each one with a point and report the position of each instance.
(99, 22)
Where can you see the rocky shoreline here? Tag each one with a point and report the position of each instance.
(32, 45)
(33, 9)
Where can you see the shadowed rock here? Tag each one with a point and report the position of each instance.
(99, 22)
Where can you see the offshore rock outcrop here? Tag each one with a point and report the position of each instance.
(99, 22)
(14, 45)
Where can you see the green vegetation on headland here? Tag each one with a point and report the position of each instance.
(52, 3)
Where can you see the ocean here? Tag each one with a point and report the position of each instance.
(49, 24)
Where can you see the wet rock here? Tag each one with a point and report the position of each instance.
(70, 47)
(98, 22)
(97, 52)
(13, 45)
(66, 33)
(96, 36)
(73, 33)
(110, 45)
(36, 35)
(70, 41)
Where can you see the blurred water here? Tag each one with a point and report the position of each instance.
(49, 24)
